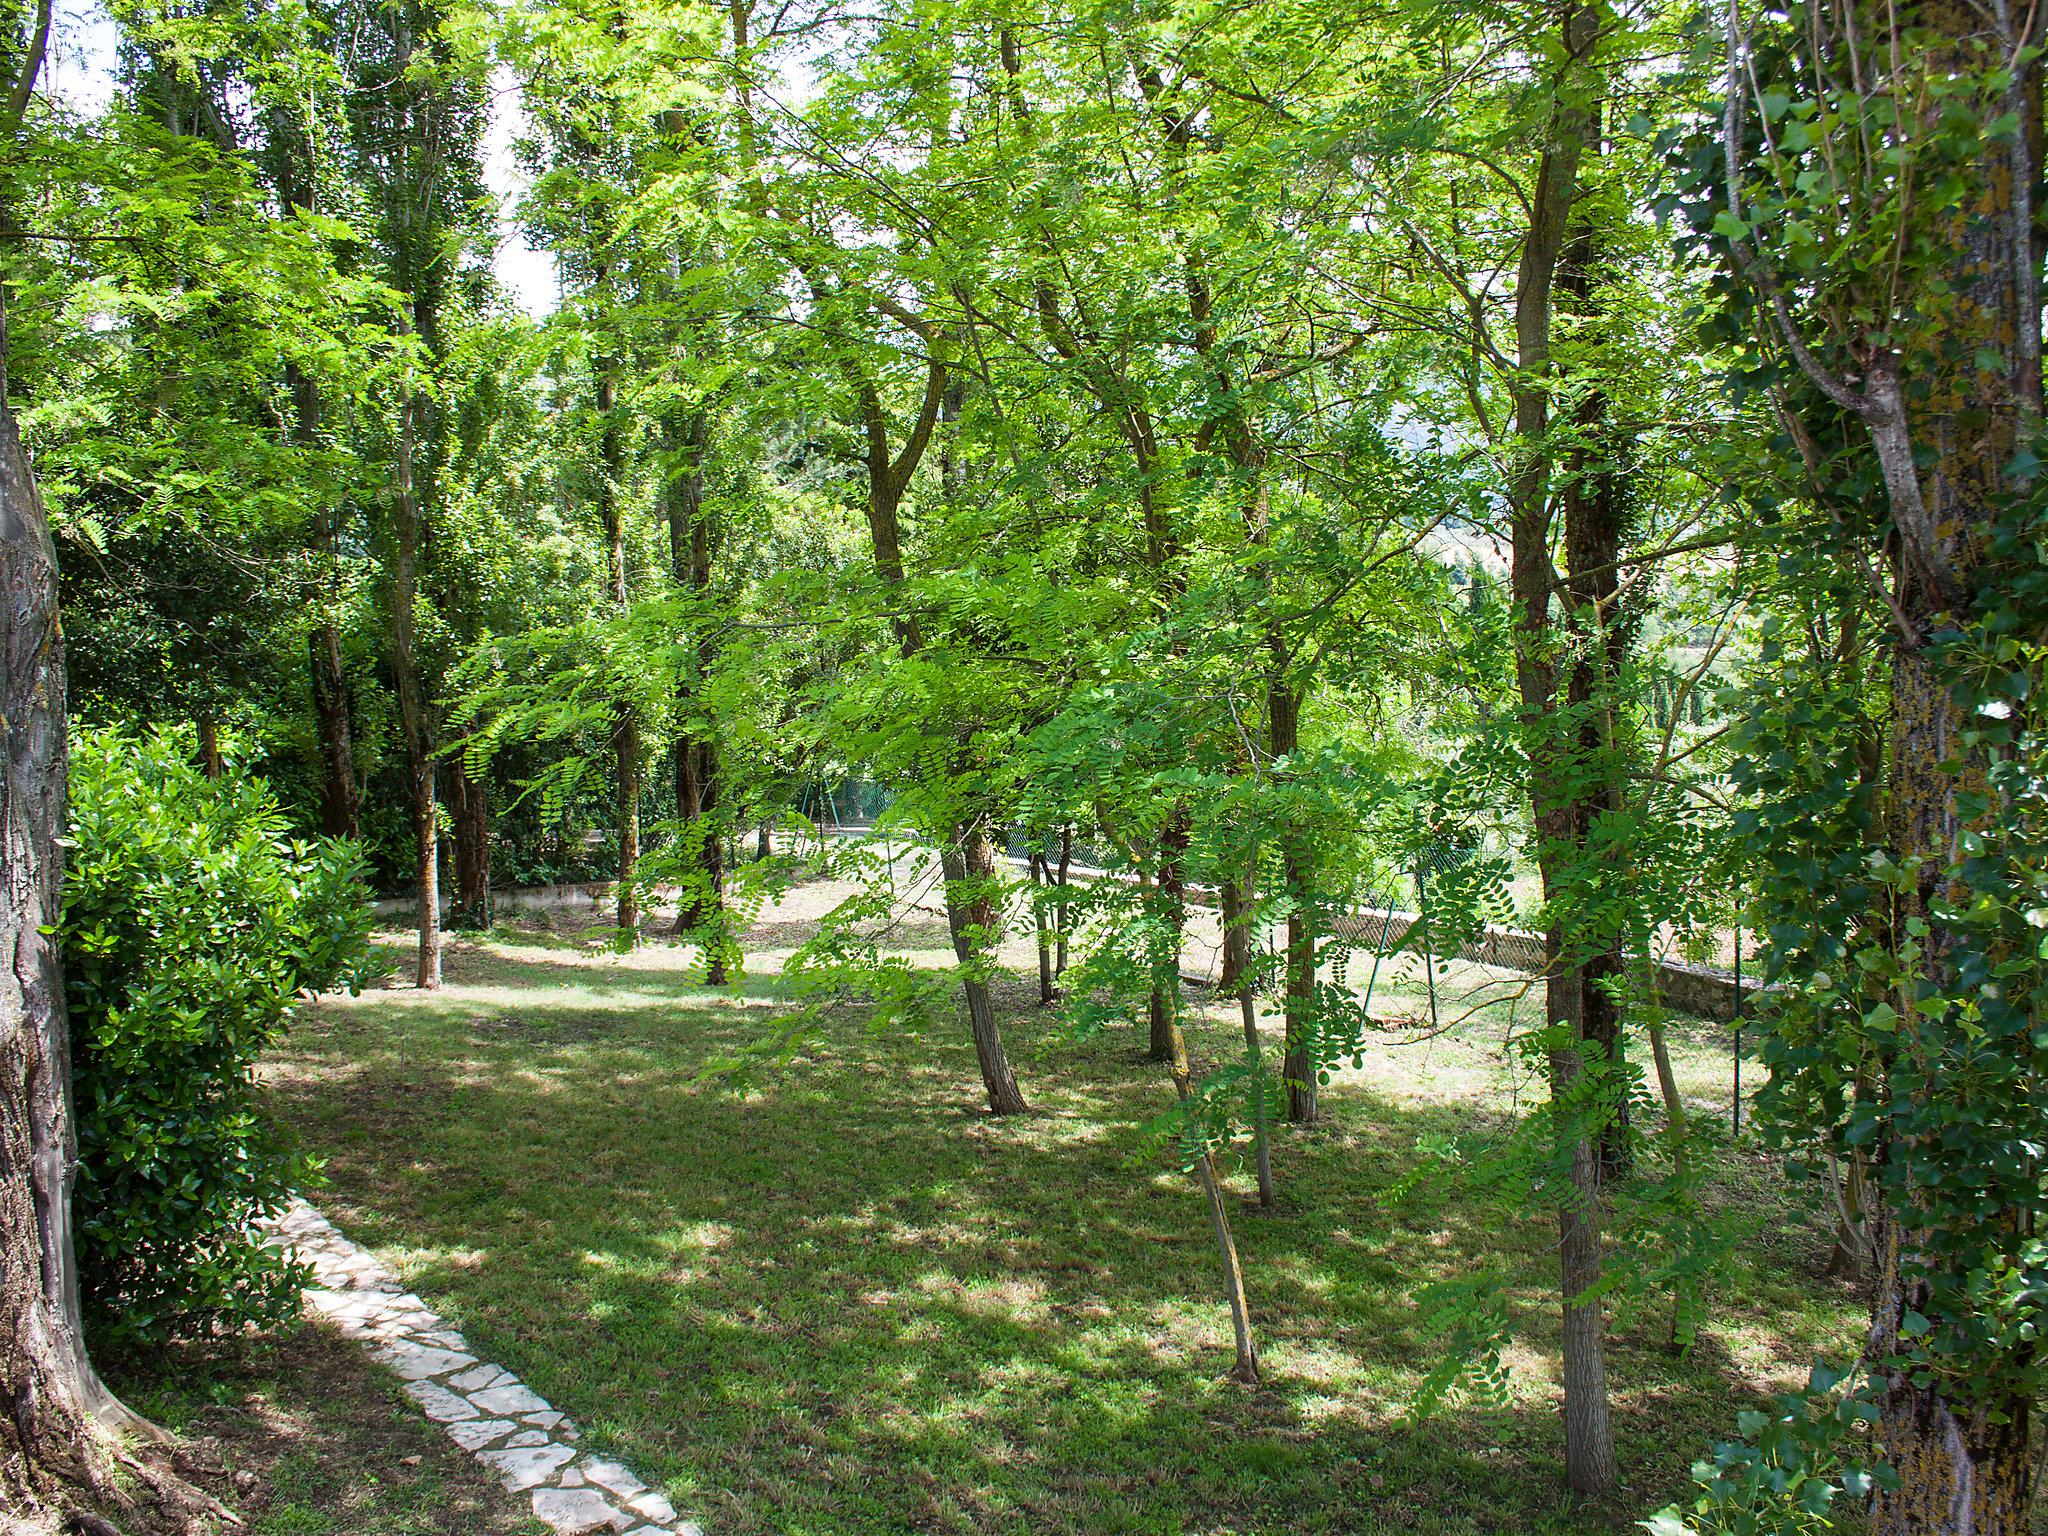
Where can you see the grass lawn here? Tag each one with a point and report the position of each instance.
(847, 1302)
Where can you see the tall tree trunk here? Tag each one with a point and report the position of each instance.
(1301, 1069)
(691, 544)
(412, 705)
(625, 718)
(209, 745)
(968, 862)
(1572, 131)
(49, 1433)
(1594, 496)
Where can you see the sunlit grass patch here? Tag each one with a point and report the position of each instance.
(845, 1301)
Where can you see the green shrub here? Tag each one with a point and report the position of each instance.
(191, 922)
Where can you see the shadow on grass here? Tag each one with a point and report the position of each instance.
(850, 1302)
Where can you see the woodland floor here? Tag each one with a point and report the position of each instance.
(846, 1301)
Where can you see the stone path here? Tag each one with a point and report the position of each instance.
(484, 1408)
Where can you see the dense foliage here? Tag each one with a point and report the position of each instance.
(193, 919)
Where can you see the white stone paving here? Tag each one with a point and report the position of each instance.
(484, 1408)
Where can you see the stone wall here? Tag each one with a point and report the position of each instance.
(1692, 989)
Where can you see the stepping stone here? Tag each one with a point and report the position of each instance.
(652, 1506)
(577, 1511)
(441, 1405)
(478, 1433)
(479, 1378)
(527, 1467)
(610, 1475)
(510, 1398)
(416, 1362)
(527, 1437)
(546, 1420)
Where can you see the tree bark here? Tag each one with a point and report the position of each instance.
(968, 862)
(340, 805)
(1959, 1445)
(49, 1435)
(1572, 131)
(412, 706)
(1245, 1369)
(625, 718)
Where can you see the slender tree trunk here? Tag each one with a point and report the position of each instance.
(1237, 943)
(1041, 919)
(1594, 496)
(1301, 1069)
(340, 813)
(968, 863)
(470, 823)
(1245, 1370)
(1059, 954)
(1230, 905)
(412, 708)
(625, 718)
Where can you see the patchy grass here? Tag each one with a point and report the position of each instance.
(304, 1437)
(848, 1302)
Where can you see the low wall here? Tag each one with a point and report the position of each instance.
(526, 897)
(1694, 989)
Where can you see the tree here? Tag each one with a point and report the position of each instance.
(1869, 198)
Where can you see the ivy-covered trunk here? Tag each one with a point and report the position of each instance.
(1958, 1438)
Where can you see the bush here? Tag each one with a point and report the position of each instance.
(191, 922)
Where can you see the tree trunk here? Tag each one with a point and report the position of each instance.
(1245, 1370)
(1572, 131)
(1059, 954)
(1301, 1069)
(692, 542)
(340, 808)
(412, 708)
(49, 1433)
(1594, 498)
(1237, 943)
(968, 859)
(1960, 1446)
(625, 718)
(209, 745)
(470, 822)
(1041, 920)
